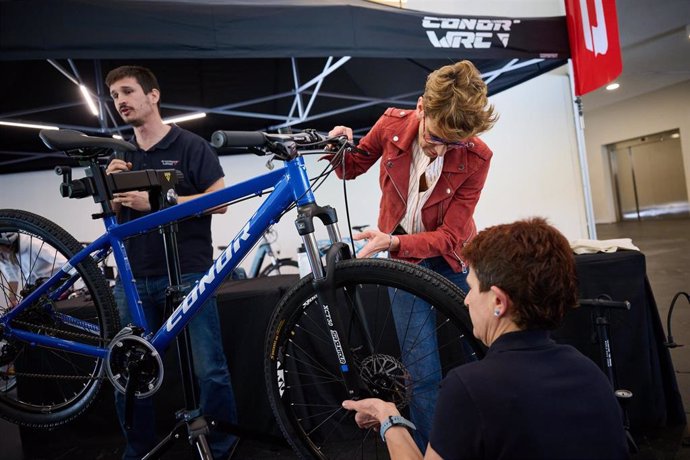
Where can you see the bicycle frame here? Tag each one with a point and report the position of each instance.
(290, 185)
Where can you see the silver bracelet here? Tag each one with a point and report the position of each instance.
(390, 242)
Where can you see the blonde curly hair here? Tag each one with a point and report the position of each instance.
(455, 98)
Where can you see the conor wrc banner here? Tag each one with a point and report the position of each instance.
(594, 44)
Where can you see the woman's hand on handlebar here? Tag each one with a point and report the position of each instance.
(341, 131)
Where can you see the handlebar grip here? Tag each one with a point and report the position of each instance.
(221, 139)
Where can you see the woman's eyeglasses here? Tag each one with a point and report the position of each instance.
(431, 139)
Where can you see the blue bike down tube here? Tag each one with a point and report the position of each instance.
(267, 214)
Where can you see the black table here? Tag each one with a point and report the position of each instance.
(642, 362)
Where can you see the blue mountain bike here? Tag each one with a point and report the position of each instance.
(331, 337)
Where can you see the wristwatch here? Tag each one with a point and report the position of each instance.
(395, 420)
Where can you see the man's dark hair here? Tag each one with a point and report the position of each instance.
(146, 79)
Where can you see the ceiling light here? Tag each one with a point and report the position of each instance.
(675, 135)
(27, 125)
(181, 118)
(88, 99)
(613, 86)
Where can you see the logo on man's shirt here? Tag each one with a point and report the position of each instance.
(169, 162)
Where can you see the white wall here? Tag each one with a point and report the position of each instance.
(662, 110)
(535, 170)
(522, 8)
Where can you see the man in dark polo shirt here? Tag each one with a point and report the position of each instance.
(136, 95)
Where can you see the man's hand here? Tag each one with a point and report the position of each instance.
(117, 165)
(134, 200)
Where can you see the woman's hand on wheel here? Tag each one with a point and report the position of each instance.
(371, 411)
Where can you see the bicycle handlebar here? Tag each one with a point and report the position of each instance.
(221, 139)
(261, 142)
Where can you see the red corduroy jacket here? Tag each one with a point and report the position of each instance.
(447, 214)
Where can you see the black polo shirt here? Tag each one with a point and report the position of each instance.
(189, 153)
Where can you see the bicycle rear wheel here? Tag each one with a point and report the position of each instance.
(305, 386)
(44, 387)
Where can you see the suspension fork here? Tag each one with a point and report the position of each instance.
(324, 285)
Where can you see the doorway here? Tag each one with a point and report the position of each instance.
(648, 177)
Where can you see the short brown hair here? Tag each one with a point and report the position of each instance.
(455, 97)
(533, 263)
(146, 79)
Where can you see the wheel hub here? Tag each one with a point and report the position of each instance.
(387, 378)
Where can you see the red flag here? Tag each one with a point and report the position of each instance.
(594, 45)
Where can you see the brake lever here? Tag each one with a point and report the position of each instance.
(351, 148)
(345, 146)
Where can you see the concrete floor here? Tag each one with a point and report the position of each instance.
(666, 246)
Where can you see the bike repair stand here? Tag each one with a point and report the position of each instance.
(191, 421)
(602, 327)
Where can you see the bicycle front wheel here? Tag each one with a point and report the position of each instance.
(46, 387)
(396, 316)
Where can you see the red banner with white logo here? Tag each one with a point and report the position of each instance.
(594, 45)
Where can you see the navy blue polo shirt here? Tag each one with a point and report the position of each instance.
(189, 153)
(528, 398)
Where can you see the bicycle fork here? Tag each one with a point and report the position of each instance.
(325, 287)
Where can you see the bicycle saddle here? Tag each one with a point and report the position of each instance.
(68, 140)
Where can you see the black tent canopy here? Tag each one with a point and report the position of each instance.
(262, 64)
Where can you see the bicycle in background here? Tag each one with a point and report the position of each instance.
(276, 265)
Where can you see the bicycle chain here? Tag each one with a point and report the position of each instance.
(60, 331)
(58, 376)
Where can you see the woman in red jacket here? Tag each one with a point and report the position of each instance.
(432, 171)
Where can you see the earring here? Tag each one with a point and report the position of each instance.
(497, 312)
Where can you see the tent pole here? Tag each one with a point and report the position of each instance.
(582, 154)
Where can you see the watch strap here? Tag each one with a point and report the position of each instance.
(395, 420)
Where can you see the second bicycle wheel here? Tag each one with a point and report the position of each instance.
(281, 267)
(386, 306)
